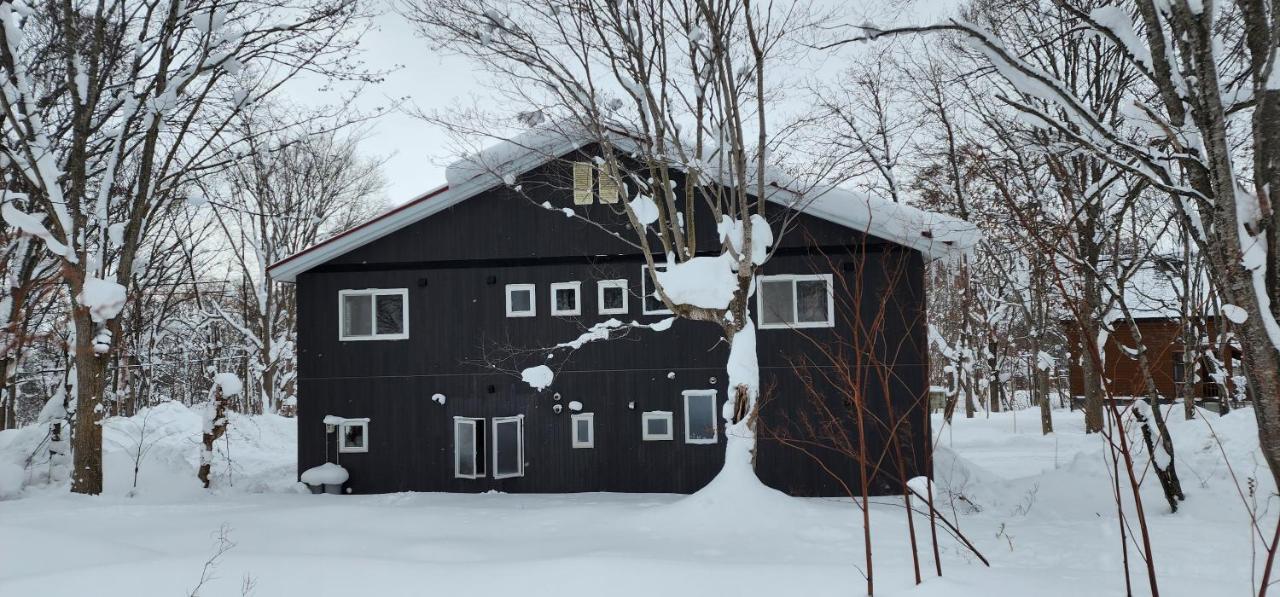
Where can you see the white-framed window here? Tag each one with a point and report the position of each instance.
(353, 436)
(522, 300)
(655, 425)
(700, 421)
(373, 314)
(584, 430)
(611, 297)
(508, 447)
(795, 301)
(468, 448)
(651, 302)
(566, 298)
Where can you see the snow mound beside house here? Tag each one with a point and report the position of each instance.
(257, 455)
(325, 474)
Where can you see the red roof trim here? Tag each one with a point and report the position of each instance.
(386, 214)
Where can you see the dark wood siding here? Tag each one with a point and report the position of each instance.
(455, 266)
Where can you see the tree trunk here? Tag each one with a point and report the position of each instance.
(1093, 395)
(91, 378)
(215, 425)
(6, 394)
(993, 388)
(1041, 382)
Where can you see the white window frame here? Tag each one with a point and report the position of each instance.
(373, 294)
(532, 289)
(715, 420)
(343, 448)
(795, 304)
(645, 290)
(590, 418)
(650, 415)
(493, 437)
(477, 458)
(576, 287)
(605, 284)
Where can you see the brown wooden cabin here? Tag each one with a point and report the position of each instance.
(1163, 339)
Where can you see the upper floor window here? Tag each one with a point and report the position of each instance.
(652, 303)
(611, 296)
(521, 301)
(373, 314)
(795, 301)
(608, 183)
(582, 191)
(566, 298)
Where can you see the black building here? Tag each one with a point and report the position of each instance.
(413, 328)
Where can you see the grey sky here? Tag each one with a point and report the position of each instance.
(415, 151)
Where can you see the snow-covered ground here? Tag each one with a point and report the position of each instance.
(1040, 508)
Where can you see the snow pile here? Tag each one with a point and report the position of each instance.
(325, 474)
(538, 378)
(230, 384)
(704, 282)
(257, 454)
(11, 479)
(731, 232)
(645, 209)
(104, 298)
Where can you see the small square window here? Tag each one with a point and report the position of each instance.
(353, 436)
(373, 314)
(653, 304)
(656, 425)
(584, 430)
(612, 296)
(566, 298)
(521, 300)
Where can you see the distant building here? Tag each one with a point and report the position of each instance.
(1154, 297)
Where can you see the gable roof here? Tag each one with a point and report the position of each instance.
(933, 234)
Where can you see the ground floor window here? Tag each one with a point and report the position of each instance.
(508, 447)
(353, 436)
(700, 425)
(584, 430)
(468, 448)
(656, 425)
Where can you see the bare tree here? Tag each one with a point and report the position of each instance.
(1202, 64)
(290, 191)
(110, 111)
(678, 95)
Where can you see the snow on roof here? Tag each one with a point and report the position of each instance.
(933, 234)
(1155, 292)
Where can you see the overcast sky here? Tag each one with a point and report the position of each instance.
(416, 152)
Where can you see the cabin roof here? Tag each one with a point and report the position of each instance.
(933, 234)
